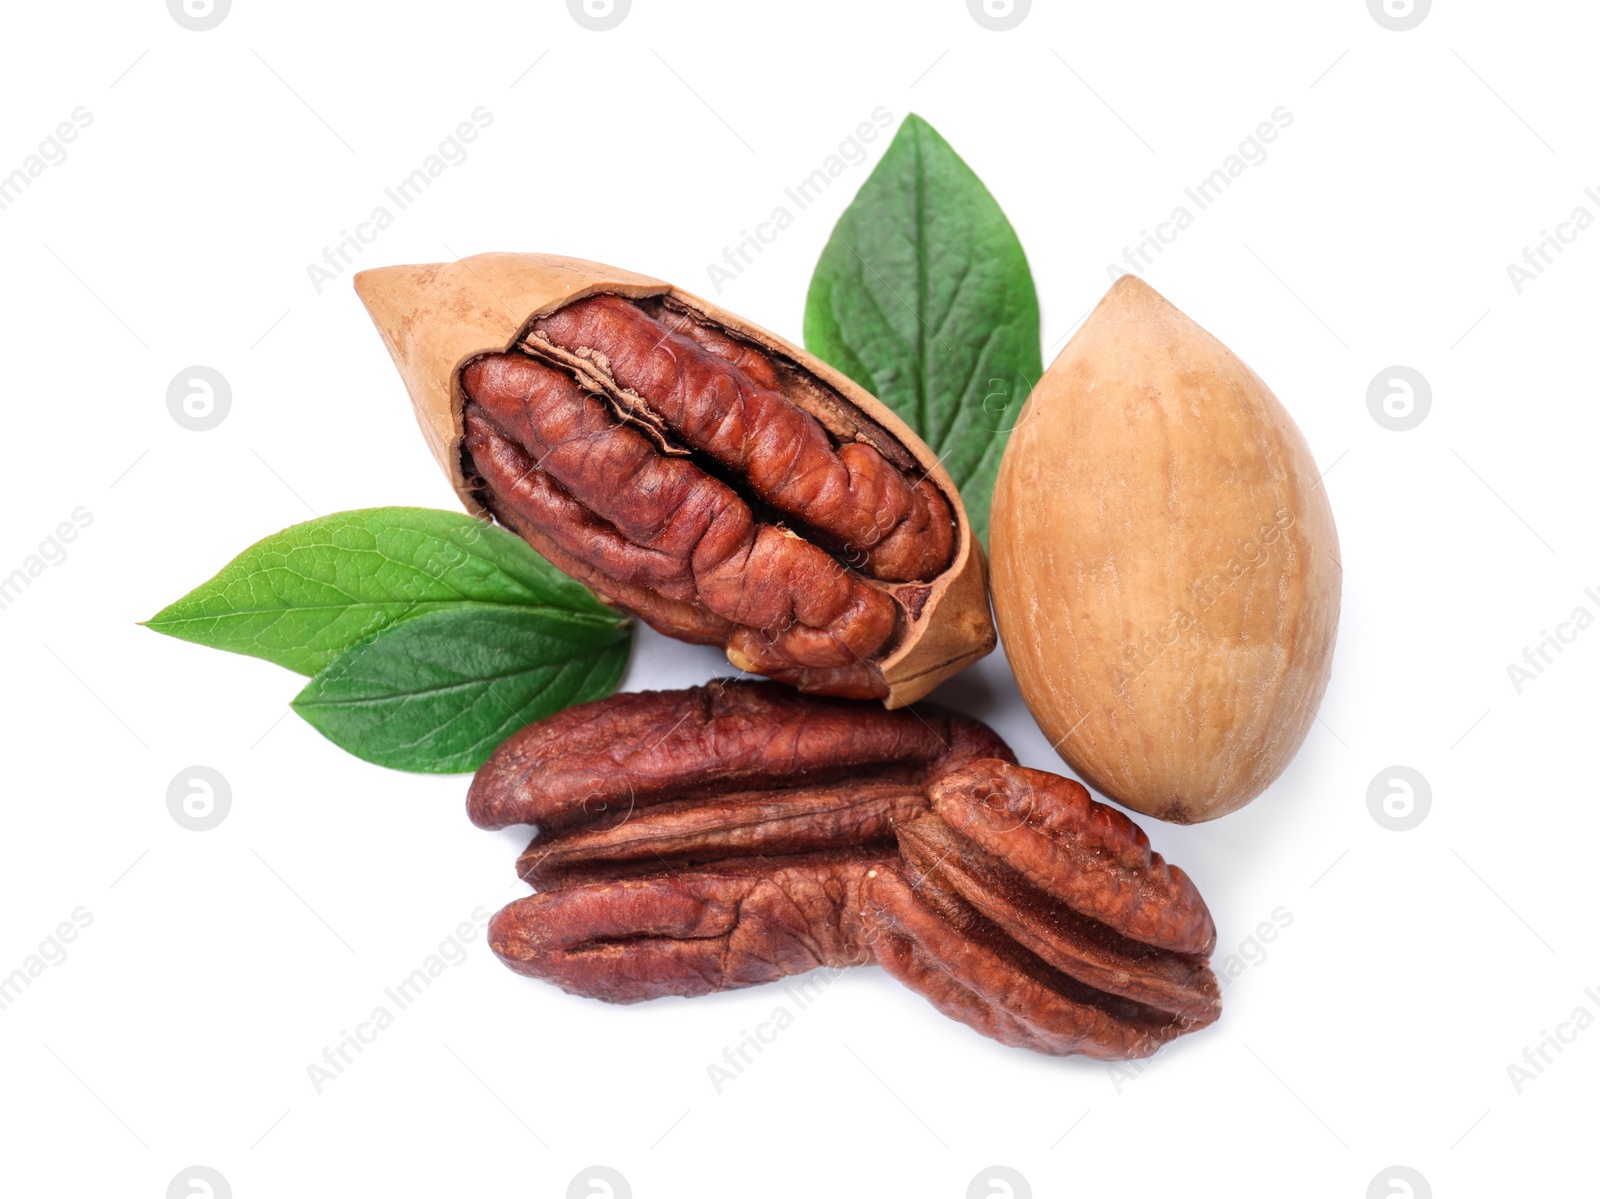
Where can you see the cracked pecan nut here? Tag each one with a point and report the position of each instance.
(1043, 919)
(714, 837)
(722, 484)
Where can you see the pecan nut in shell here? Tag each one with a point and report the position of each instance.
(717, 481)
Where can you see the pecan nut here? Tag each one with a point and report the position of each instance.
(722, 484)
(733, 834)
(1043, 919)
(715, 837)
(731, 924)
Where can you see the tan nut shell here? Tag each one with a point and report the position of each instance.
(434, 319)
(1166, 569)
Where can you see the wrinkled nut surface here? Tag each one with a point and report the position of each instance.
(1166, 569)
(1042, 919)
(734, 834)
(715, 837)
(722, 484)
(731, 924)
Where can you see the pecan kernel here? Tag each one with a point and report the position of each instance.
(1041, 918)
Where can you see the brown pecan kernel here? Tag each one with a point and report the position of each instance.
(1075, 944)
(973, 975)
(618, 757)
(725, 925)
(662, 462)
(1043, 919)
(1086, 854)
(686, 832)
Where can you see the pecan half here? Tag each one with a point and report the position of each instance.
(722, 484)
(714, 837)
(1042, 918)
(732, 924)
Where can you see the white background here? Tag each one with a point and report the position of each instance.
(1377, 1029)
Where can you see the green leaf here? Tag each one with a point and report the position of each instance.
(924, 297)
(301, 597)
(438, 692)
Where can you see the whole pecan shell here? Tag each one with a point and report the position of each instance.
(714, 837)
(699, 471)
(1042, 918)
